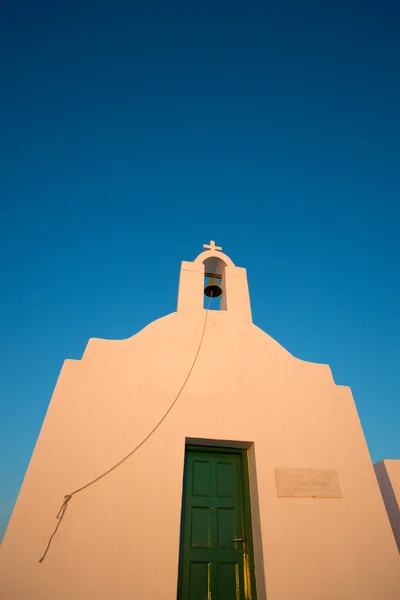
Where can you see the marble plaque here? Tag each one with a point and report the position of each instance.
(308, 483)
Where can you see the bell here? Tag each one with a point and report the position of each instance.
(212, 288)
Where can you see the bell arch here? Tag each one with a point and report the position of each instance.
(213, 254)
(235, 297)
(214, 268)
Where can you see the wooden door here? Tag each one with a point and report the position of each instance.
(216, 541)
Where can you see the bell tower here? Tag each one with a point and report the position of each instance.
(224, 280)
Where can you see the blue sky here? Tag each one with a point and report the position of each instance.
(133, 132)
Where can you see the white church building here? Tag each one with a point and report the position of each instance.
(200, 460)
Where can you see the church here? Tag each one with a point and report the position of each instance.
(200, 460)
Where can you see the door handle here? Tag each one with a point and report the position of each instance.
(239, 540)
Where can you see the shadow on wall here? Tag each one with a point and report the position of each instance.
(389, 498)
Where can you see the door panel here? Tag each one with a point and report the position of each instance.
(228, 585)
(213, 566)
(199, 578)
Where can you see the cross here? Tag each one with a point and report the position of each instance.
(211, 246)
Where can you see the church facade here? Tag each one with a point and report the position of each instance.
(200, 460)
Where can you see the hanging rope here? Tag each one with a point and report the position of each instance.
(68, 497)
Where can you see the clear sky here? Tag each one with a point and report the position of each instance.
(133, 132)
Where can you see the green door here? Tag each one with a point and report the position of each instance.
(216, 558)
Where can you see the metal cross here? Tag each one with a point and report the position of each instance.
(211, 246)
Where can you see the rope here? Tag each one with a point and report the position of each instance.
(68, 497)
